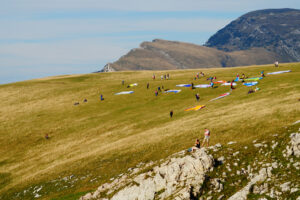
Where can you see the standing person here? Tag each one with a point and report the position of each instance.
(168, 76)
(162, 77)
(123, 82)
(206, 137)
(101, 97)
(192, 85)
(165, 76)
(156, 93)
(243, 76)
(197, 75)
(171, 113)
(262, 73)
(212, 84)
(159, 89)
(231, 85)
(197, 97)
(148, 86)
(153, 76)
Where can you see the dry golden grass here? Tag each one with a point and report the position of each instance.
(106, 138)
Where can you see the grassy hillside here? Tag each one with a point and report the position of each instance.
(95, 141)
(168, 55)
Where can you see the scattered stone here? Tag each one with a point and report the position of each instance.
(231, 142)
(258, 145)
(294, 190)
(260, 189)
(285, 187)
(296, 122)
(274, 145)
(221, 159)
(242, 194)
(236, 153)
(218, 145)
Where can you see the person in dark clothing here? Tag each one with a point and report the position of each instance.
(231, 85)
(85, 100)
(47, 137)
(147, 85)
(162, 87)
(194, 148)
(101, 97)
(171, 113)
(159, 89)
(123, 82)
(197, 96)
(250, 91)
(156, 93)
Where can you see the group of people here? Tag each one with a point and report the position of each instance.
(162, 77)
(205, 141)
(198, 75)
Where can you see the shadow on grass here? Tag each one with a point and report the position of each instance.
(5, 178)
(71, 196)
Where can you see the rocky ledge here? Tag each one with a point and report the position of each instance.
(180, 177)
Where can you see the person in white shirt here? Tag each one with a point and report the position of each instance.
(206, 137)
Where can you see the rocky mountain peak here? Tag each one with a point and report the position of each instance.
(277, 30)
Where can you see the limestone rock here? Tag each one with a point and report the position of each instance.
(242, 194)
(188, 172)
(285, 187)
(294, 149)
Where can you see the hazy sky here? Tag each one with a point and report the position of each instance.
(41, 38)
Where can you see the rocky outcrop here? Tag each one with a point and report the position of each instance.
(262, 175)
(277, 30)
(294, 149)
(180, 177)
(262, 169)
(108, 68)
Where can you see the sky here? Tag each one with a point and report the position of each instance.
(41, 38)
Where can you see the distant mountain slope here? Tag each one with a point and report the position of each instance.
(258, 37)
(277, 30)
(166, 55)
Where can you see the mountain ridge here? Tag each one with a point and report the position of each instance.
(257, 37)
